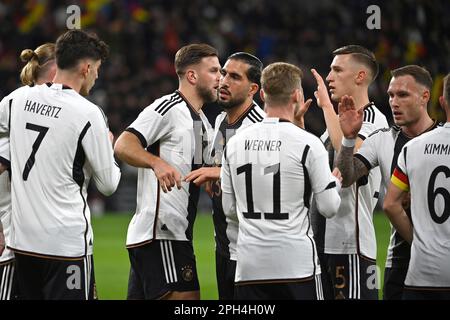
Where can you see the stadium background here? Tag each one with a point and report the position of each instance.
(144, 36)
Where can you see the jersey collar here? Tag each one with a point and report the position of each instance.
(58, 85)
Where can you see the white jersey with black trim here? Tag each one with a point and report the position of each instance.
(58, 142)
(351, 230)
(5, 200)
(5, 214)
(225, 228)
(425, 163)
(381, 149)
(271, 169)
(171, 129)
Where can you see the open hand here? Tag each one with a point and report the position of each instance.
(350, 119)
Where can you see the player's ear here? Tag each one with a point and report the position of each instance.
(425, 97)
(191, 76)
(361, 77)
(83, 68)
(253, 89)
(261, 95)
(297, 96)
(443, 103)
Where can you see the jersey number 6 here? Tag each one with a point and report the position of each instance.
(433, 193)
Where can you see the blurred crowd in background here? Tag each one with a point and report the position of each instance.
(144, 35)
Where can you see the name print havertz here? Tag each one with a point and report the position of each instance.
(42, 109)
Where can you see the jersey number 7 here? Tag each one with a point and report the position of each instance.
(30, 162)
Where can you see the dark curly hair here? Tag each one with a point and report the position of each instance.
(75, 45)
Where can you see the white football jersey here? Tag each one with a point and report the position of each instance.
(424, 170)
(58, 141)
(272, 168)
(351, 230)
(225, 228)
(5, 200)
(381, 149)
(171, 129)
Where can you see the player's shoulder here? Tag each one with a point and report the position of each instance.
(297, 136)
(17, 93)
(374, 116)
(383, 132)
(166, 103)
(244, 132)
(309, 138)
(255, 114)
(219, 119)
(427, 137)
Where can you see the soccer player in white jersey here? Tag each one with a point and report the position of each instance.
(409, 93)
(348, 239)
(166, 142)
(239, 82)
(423, 170)
(40, 68)
(58, 142)
(269, 171)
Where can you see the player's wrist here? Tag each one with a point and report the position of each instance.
(327, 105)
(348, 142)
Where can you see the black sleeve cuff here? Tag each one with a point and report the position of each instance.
(363, 160)
(139, 135)
(361, 137)
(5, 162)
(331, 185)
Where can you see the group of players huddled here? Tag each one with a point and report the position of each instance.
(293, 214)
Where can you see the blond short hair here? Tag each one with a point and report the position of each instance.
(279, 80)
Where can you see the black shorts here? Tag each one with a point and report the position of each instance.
(417, 293)
(9, 289)
(42, 278)
(394, 281)
(225, 271)
(327, 285)
(160, 267)
(353, 276)
(310, 289)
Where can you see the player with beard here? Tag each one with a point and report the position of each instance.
(423, 171)
(409, 92)
(239, 82)
(166, 142)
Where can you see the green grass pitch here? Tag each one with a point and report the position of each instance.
(112, 264)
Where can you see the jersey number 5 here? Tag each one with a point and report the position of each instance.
(251, 214)
(30, 162)
(433, 193)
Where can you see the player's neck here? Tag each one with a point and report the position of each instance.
(419, 127)
(361, 99)
(235, 113)
(68, 79)
(281, 112)
(190, 94)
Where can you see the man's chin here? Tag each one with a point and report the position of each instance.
(335, 98)
(225, 104)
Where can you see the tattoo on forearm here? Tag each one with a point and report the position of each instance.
(351, 168)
